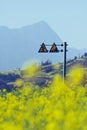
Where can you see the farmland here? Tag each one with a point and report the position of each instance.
(41, 100)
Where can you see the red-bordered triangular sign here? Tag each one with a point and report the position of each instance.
(43, 48)
(54, 48)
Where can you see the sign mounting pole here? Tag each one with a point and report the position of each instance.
(64, 64)
(54, 49)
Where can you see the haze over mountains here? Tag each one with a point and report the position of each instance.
(20, 45)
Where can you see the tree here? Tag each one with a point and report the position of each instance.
(85, 54)
(47, 66)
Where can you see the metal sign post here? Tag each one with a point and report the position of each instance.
(54, 49)
(64, 66)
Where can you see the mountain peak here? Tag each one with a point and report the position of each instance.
(22, 44)
(41, 22)
(37, 24)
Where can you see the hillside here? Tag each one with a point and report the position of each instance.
(43, 77)
(77, 61)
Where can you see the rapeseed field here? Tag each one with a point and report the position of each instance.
(60, 106)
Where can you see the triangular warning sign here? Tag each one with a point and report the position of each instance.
(43, 48)
(54, 48)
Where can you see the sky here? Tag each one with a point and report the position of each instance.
(68, 18)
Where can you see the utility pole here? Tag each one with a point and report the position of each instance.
(64, 64)
(54, 49)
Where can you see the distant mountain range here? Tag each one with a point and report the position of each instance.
(20, 45)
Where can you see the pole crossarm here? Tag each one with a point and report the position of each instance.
(56, 44)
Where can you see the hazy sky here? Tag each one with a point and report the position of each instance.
(67, 17)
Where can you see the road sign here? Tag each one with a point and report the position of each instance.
(43, 48)
(54, 48)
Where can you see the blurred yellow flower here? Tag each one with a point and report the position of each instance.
(56, 107)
